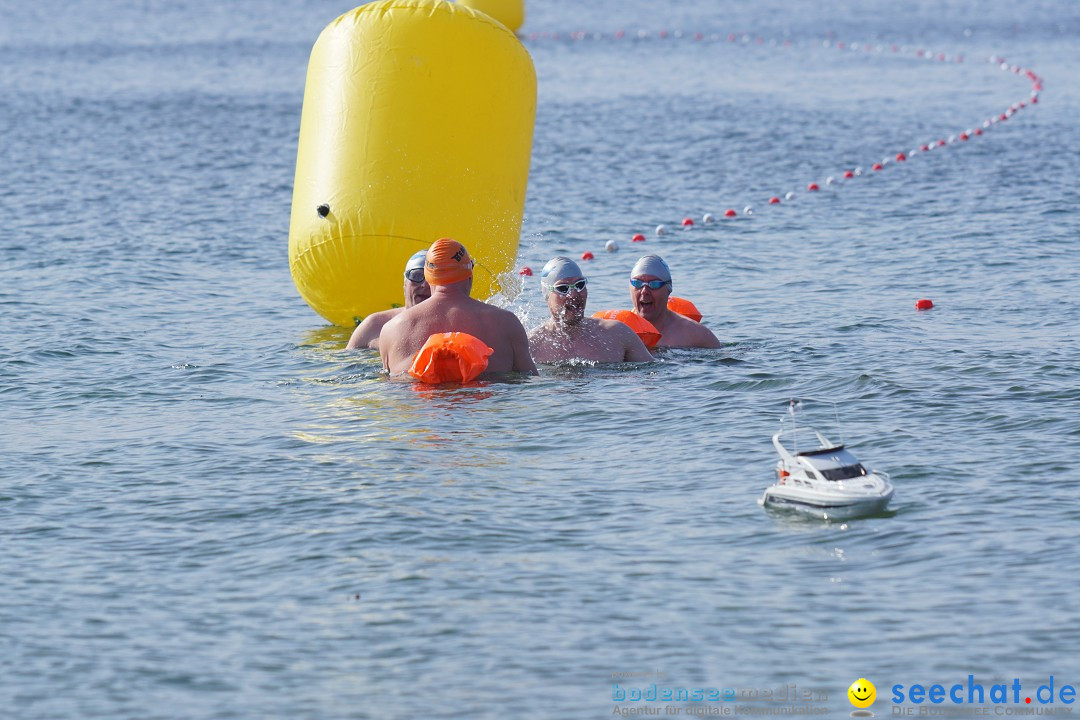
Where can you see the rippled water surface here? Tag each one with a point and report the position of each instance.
(210, 510)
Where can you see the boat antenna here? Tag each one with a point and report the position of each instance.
(793, 405)
(839, 429)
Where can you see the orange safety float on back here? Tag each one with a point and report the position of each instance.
(644, 329)
(450, 357)
(684, 307)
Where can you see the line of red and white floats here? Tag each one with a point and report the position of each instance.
(849, 174)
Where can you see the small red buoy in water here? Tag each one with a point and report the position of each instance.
(924, 304)
(901, 157)
(527, 271)
(812, 187)
(638, 238)
(730, 213)
(877, 166)
(586, 255)
(924, 148)
(687, 222)
(848, 174)
(774, 200)
(963, 136)
(978, 131)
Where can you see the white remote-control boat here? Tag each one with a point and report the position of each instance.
(823, 478)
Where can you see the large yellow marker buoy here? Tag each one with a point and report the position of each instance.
(417, 124)
(510, 13)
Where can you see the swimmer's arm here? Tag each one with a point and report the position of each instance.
(388, 339)
(366, 334)
(635, 350)
(519, 343)
(706, 339)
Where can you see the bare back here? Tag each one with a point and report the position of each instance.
(499, 329)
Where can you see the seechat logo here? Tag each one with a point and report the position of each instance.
(942, 700)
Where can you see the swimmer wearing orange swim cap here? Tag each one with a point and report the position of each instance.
(448, 270)
(448, 262)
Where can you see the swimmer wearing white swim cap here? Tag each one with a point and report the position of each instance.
(417, 290)
(650, 287)
(568, 334)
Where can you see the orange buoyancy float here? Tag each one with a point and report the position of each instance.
(644, 329)
(450, 357)
(684, 307)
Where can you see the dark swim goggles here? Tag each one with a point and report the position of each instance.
(654, 284)
(416, 275)
(565, 288)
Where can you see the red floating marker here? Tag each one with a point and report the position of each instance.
(663, 33)
(619, 34)
(527, 271)
(978, 131)
(878, 166)
(698, 36)
(901, 157)
(925, 148)
(774, 200)
(586, 255)
(687, 222)
(963, 136)
(638, 238)
(730, 213)
(812, 187)
(1003, 116)
(941, 143)
(848, 174)
(924, 304)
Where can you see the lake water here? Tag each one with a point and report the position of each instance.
(208, 509)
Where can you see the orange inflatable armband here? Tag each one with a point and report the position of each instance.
(644, 329)
(684, 307)
(450, 357)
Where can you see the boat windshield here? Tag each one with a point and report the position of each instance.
(843, 473)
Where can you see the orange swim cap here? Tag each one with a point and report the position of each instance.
(644, 329)
(447, 262)
(684, 307)
(450, 357)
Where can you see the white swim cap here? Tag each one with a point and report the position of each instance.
(651, 265)
(416, 261)
(556, 269)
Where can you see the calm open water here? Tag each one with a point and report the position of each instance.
(209, 510)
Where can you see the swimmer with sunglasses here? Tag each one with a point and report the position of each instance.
(568, 334)
(417, 290)
(650, 287)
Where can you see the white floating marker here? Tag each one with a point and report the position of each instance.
(661, 230)
(707, 218)
(611, 246)
(748, 210)
(830, 180)
(790, 196)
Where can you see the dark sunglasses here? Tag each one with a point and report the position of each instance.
(565, 288)
(416, 275)
(654, 284)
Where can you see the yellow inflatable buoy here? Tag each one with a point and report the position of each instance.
(510, 13)
(417, 124)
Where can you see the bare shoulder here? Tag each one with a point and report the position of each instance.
(366, 334)
(617, 328)
(703, 336)
(505, 316)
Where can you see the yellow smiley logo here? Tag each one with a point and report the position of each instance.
(862, 693)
